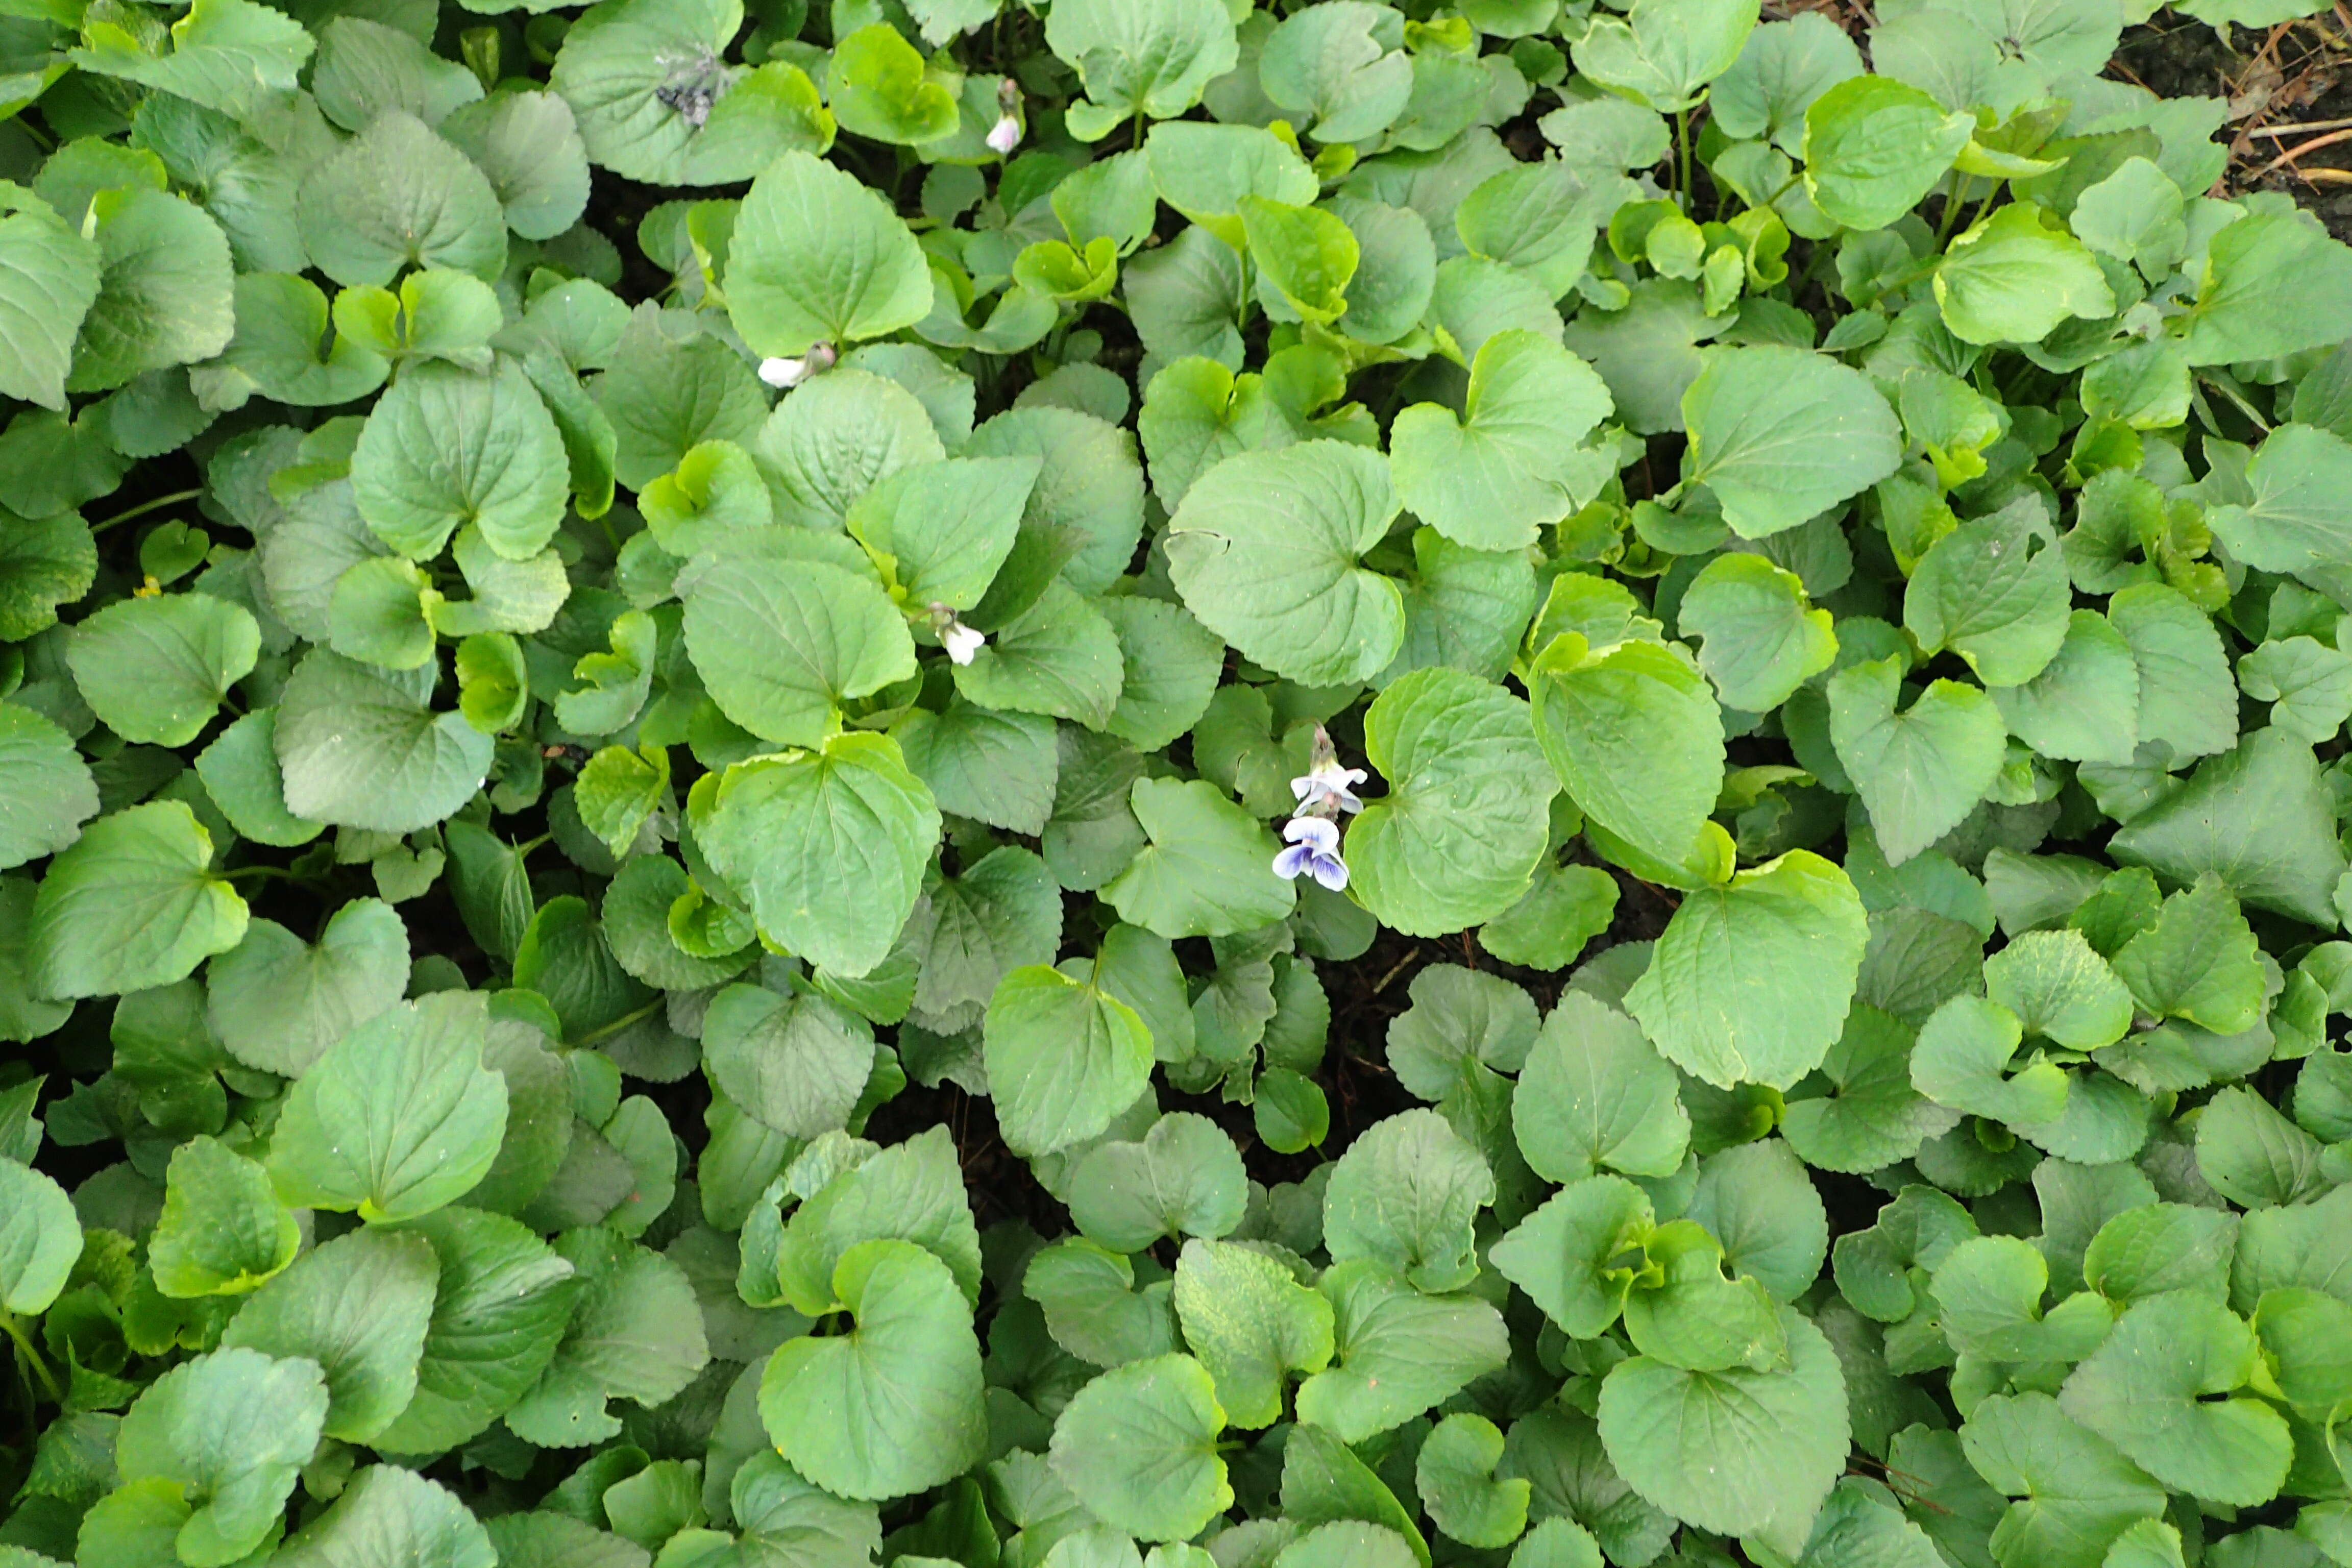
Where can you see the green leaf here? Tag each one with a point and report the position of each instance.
(1341, 72)
(781, 643)
(2252, 1156)
(1515, 459)
(388, 1515)
(1750, 980)
(1207, 869)
(1738, 1451)
(1140, 59)
(878, 88)
(1398, 1350)
(40, 1239)
(1988, 1291)
(398, 195)
(2200, 960)
(1265, 549)
(1406, 1195)
(2308, 683)
(1959, 1063)
(1664, 51)
(1632, 730)
(226, 55)
(49, 278)
(1566, 908)
(155, 669)
(1184, 1178)
(46, 784)
(233, 1427)
(818, 257)
(635, 1333)
(1455, 1474)
(800, 833)
(130, 904)
(2297, 520)
(1782, 70)
(2149, 1391)
(1780, 435)
(2258, 817)
(2015, 276)
(1137, 1447)
(445, 448)
(48, 563)
(497, 1317)
(1171, 665)
(1874, 147)
(223, 1231)
(2075, 1493)
(2058, 986)
(1064, 1057)
(794, 1063)
(1251, 1325)
(1994, 594)
(1059, 656)
(1305, 255)
(893, 1405)
(358, 747)
(945, 527)
(359, 1306)
(2083, 706)
(1595, 1093)
(2258, 269)
(398, 1118)
(165, 295)
(1465, 819)
(1922, 770)
(1873, 1117)
(1760, 636)
(910, 1191)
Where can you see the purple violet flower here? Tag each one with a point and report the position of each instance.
(1314, 849)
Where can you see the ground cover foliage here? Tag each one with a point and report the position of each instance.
(1156, 783)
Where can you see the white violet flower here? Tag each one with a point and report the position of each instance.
(1329, 783)
(1004, 135)
(785, 373)
(1315, 850)
(960, 641)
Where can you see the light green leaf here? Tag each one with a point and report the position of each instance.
(1632, 730)
(1263, 550)
(2058, 986)
(2149, 1391)
(2259, 817)
(445, 448)
(1993, 593)
(46, 783)
(155, 669)
(828, 846)
(2015, 276)
(1139, 1447)
(2075, 1493)
(1455, 1474)
(132, 903)
(388, 1514)
(1514, 461)
(1750, 980)
(40, 1239)
(165, 295)
(1666, 51)
(1465, 821)
(2200, 960)
(817, 257)
(2258, 271)
(2298, 520)
(796, 1064)
(1738, 1451)
(1184, 1178)
(1760, 637)
(1920, 771)
(233, 1427)
(1059, 657)
(1873, 1117)
(1397, 1351)
(226, 55)
(1594, 1092)
(358, 747)
(1780, 435)
(1406, 1195)
(1251, 1325)
(945, 527)
(48, 278)
(878, 87)
(223, 1231)
(2308, 683)
(1063, 1058)
(1207, 870)
(635, 1333)
(910, 1191)
(359, 1306)
(1959, 1062)
(1874, 147)
(893, 1405)
(2083, 706)
(2186, 700)
(782, 642)
(1140, 59)
(398, 1118)
(398, 195)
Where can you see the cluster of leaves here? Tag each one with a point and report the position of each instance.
(534, 863)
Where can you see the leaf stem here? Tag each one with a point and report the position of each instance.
(621, 1023)
(1952, 205)
(28, 1357)
(143, 508)
(1682, 162)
